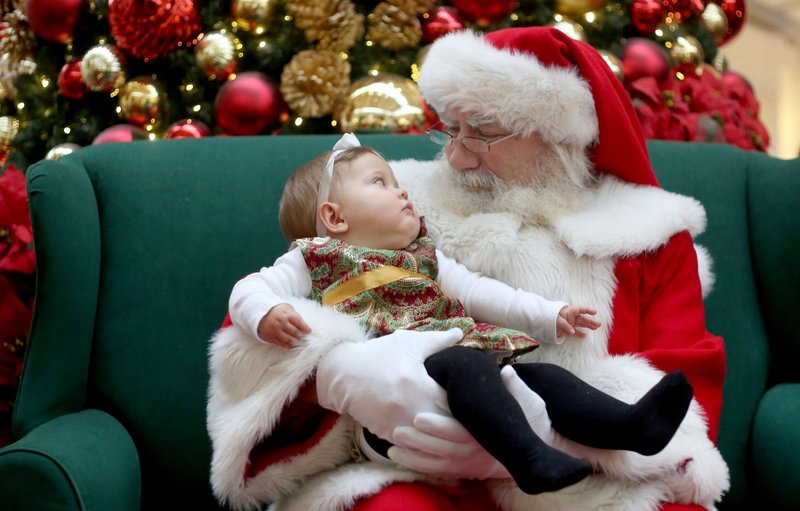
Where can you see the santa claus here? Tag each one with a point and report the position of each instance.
(544, 183)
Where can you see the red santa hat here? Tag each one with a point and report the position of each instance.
(538, 79)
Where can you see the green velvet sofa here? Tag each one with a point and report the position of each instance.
(139, 244)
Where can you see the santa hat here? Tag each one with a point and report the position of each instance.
(538, 79)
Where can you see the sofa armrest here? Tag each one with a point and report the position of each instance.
(84, 461)
(776, 446)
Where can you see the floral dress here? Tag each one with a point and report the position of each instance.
(388, 290)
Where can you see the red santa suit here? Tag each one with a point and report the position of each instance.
(626, 250)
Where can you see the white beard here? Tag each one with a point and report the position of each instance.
(546, 196)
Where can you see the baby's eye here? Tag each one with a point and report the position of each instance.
(379, 180)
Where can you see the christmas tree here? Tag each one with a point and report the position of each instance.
(75, 72)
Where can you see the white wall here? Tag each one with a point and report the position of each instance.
(767, 52)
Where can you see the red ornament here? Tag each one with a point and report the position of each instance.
(643, 57)
(120, 133)
(53, 20)
(440, 21)
(187, 128)
(684, 10)
(249, 104)
(485, 12)
(70, 83)
(148, 29)
(735, 11)
(646, 15)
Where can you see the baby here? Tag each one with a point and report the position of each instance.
(372, 259)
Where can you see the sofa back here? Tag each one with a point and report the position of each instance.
(139, 245)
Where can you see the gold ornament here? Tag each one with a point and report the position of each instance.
(9, 127)
(333, 24)
(687, 54)
(716, 21)
(140, 101)
(395, 27)
(215, 54)
(61, 150)
(101, 68)
(386, 103)
(313, 80)
(720, 62)
(577, 8)
(253, 15)
(613, 62)
(422, 54)
(569, 27)
(16, 50)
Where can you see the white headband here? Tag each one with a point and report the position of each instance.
(348, 141)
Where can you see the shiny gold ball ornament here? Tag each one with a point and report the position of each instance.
(569, 27)
(102, 68)
(716, 21)
(687, 55)
(216, 55)
(386, 103)
(61, 150)
(313, 80)
(577, 8)
(9, 127)
(614, 63)
(253, 15)
(141, 101)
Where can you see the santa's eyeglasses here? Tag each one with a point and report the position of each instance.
(473, 144)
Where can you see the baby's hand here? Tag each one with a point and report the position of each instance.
(282, 326)
(572, 316)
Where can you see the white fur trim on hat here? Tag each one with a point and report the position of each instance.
(464, 71)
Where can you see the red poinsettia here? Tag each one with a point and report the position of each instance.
(17, 264)
(15, 225)
(706, 107)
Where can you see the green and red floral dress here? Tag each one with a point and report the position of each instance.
(388, 290)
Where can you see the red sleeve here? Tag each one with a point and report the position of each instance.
(659, 313)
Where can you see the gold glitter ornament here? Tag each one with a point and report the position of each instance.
(716, 21)
(253, 15)
(101, 68)
(9, 127)
(313, 80)
(61, 150)
(332, 24)
(140, 101)
(394, 25)
(16, 53)
(386, 103)
(216, 55)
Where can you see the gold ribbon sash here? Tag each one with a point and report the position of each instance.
(366, 281)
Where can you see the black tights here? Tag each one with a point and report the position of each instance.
(479, 399)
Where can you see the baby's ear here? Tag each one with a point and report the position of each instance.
(331, 219)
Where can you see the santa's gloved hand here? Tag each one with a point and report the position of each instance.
(383, 383)
(440, 446)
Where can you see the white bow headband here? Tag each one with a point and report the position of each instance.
(348, 141)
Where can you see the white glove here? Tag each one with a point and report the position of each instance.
(382, 383)
(440, 446)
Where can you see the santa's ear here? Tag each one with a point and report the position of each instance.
(331, 219)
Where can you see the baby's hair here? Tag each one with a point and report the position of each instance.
(297, 213)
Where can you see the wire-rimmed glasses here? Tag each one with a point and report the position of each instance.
(473, 144)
